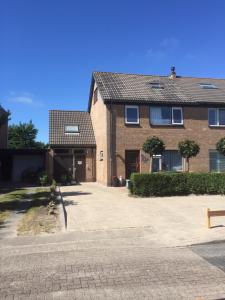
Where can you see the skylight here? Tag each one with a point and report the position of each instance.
(208, 86)
(72, 129)
(156, 85)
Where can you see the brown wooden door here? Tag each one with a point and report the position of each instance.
(132, 162)
(80, 173)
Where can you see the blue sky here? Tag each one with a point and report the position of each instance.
(49, 48)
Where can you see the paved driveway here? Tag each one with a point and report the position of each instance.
(172, 221)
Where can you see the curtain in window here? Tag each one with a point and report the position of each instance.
(216, 161)
(222, 116)
(160, 115)
(212, 116)
(172, 161)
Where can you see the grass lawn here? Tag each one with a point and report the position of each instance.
(3, 216)
(9, 199)
(37, 219)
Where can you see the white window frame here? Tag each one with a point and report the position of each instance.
(138, 118)
(182, 119)
(172, 118)
(217, 117)
(72, 133)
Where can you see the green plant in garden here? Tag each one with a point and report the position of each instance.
(220, 146)
(188, 149)
(43, 179)
(153, 146)
(53, 186)
(171, 184)
(64, 178)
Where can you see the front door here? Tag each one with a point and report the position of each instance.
(132, 162)
(80, 175)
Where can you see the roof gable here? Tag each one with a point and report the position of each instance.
(59, 119)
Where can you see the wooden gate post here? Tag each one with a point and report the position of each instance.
(208, 218)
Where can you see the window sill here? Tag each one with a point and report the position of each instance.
(72, 133)
(217, 126)
(131, 123)
(166, 125)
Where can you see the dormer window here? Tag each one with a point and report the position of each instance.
(208, 86)
(72, 129)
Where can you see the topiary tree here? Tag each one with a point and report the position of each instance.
(153, 146)
(220, 146)
(188, 149)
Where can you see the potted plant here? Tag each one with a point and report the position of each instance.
(115, 181)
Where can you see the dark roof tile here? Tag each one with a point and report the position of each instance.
(122, 87)
(58, 119)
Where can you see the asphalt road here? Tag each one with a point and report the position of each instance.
(119, 264)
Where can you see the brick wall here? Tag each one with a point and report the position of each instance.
(99, 115)
(132, 137)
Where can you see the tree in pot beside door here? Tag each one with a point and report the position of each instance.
(188, 149)
(153, 146)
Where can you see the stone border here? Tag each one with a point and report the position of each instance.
(62, 210)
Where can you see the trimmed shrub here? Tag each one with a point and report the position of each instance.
(171, 184)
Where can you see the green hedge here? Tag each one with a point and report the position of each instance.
(171, 184)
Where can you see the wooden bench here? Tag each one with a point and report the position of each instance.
(213, 213)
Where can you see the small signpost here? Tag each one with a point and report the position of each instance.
(213, 213)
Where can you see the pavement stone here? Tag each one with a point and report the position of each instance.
(111, 269)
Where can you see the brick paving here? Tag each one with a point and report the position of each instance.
(97, 265)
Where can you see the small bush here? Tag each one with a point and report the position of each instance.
(53, 186)
(43, 179)
(171, 184)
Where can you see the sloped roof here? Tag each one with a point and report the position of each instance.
(120, 87)
(58, 119)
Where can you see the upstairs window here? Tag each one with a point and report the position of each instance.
(208, 86)
(166, 115)
(72, 129)
(216, 116)
(131, 114)
(95, 95)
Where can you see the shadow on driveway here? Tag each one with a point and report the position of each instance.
(67, 194)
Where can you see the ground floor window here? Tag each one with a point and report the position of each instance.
(171, 160)
(216, 161)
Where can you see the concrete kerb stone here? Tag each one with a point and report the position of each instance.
(62, 210)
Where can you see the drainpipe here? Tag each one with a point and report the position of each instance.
(74, 166)
(110, 142)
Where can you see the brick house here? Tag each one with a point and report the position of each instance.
(126, 109)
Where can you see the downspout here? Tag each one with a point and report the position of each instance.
(110, 142)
